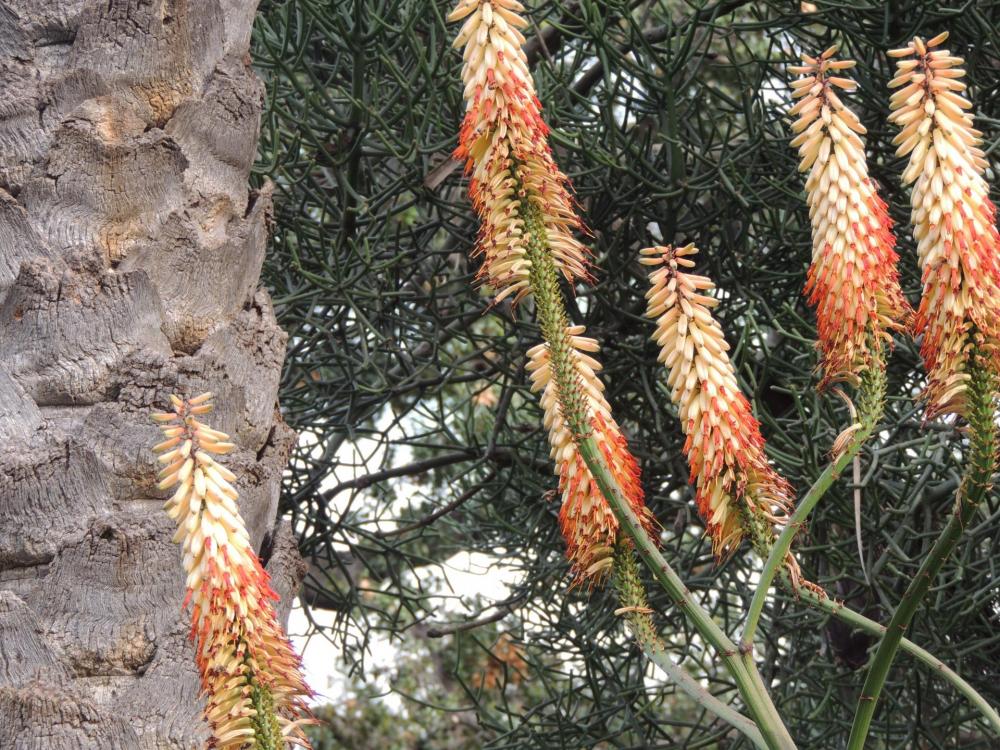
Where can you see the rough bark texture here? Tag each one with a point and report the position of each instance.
(130, 254)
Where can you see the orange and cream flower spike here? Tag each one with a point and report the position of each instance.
(954, 222)
(250, 674)
(504, 143)
(527, 221)
(587, 522)
(737, 491)
(852, 282)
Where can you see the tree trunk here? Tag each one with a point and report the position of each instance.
(130, 254)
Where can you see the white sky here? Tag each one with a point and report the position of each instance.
(469, 575)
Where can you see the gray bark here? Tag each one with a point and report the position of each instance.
(130, 255)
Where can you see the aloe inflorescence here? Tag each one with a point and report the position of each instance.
(954, 223)
(527, 241)
(852, 282)
(529, 245)
(250, 674)
(504, 142)
(958, 249)
(737, 492)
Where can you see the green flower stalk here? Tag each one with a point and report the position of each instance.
(980, 406)
(637, 614)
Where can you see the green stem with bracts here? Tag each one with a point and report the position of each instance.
(266, 729)
(815, 597)
(975, 485)
(871, 398)
(750, 685)
(552, 319)
(635, 609)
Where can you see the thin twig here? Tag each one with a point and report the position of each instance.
(442, 511)
(503, 609)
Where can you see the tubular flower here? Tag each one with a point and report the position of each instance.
(526, 237)
(587, 521)
(504, 143)
(250, 674)
(737, 491)
(852, 282)
(958, 247)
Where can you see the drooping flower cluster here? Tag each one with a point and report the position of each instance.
(504, 142)
(736, 488)
(852, 282)
(954, 222)
(588, 524)
(526, 238)
(250, 674)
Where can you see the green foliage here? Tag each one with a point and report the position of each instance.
(411, 395)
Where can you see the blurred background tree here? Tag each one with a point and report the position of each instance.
(420, 443)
